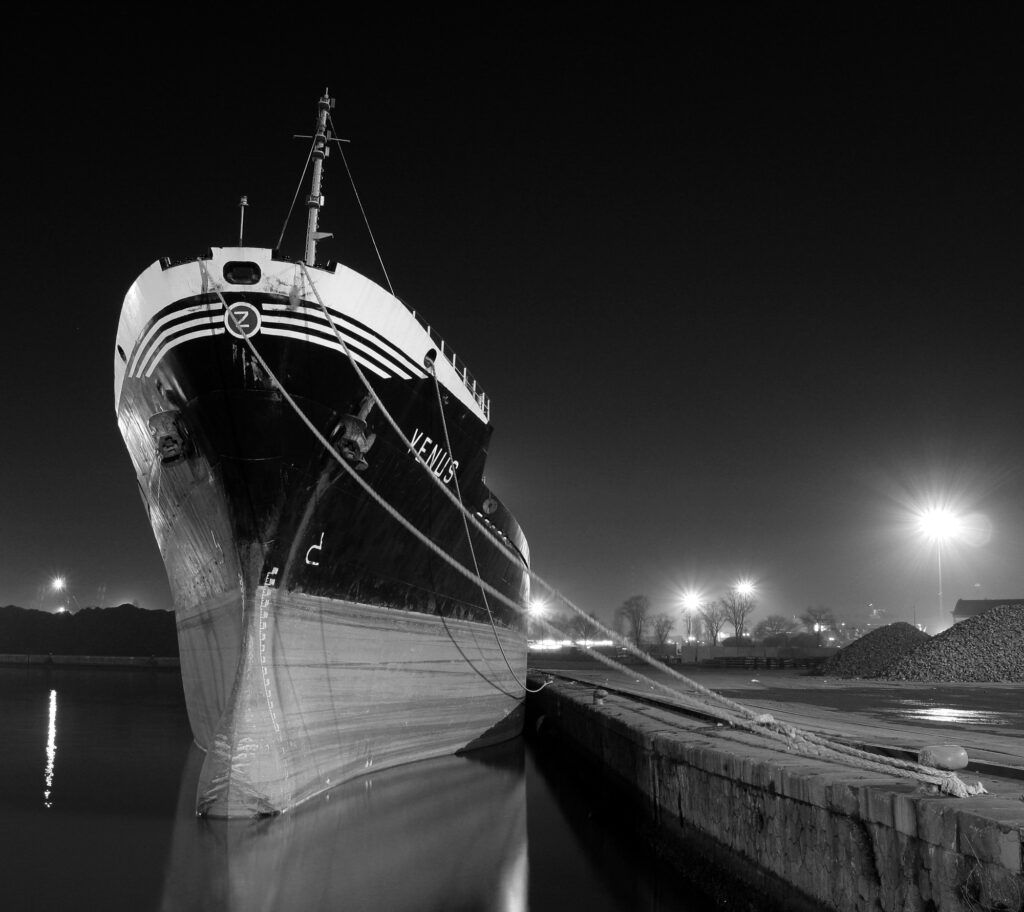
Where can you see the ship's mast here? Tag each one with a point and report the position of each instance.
(315, 200)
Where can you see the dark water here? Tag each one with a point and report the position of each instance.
(97, 779)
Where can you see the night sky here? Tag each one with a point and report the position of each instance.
(743, 286)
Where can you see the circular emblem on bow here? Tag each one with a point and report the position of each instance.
(242, 319)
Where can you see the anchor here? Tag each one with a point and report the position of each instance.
(168, 435)
(354, 443)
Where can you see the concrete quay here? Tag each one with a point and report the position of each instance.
(804, 832)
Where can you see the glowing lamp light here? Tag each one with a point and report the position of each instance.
(538, 607)
(939, 524)
(691, 601)
(58, 583)
(745, 587)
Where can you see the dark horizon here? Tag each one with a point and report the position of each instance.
(743, 291)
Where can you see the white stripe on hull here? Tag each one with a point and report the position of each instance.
(381, 332)
(270, 329)
(208, 319)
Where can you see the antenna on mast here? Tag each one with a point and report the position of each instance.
(242, 203)
(315, 200)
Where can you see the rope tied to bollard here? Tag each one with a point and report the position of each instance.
(809, 744)
(795, 740)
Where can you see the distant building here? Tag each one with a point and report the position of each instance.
(966, 608)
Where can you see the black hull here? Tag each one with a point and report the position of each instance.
(272, 547)
(291, 505)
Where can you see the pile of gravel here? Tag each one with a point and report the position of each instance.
(986, 647)
(875, 652)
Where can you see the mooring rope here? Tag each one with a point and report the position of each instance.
(949, 783)
(457, 499)
(796, 740)
(468, 516)
(394, 513)
(469, 541)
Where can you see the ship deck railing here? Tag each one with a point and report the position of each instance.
(481, 398)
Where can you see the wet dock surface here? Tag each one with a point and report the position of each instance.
(986, 719)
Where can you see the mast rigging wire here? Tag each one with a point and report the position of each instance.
(287, 218)
(359, 203)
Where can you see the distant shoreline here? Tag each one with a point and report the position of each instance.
(49, 660)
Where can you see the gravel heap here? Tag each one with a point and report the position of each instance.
(986, 647)
(875, 652)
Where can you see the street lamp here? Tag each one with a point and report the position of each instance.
(691, 603)
(536, 611)
(741, 604)
(939, 525)
(59, 586)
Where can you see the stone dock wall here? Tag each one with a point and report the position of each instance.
(813, 833)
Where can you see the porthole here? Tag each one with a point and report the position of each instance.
(241, 273)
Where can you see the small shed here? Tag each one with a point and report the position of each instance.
(966, 608)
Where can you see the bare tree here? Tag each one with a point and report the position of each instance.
(713, 616)
(738, 607)
(582, 627)
(817, 620)
(663, 624)
(693, 624)
(697, 630)
(774, 625)
(633, 613)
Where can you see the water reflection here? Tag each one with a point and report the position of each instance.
(51, 750)
(442, 834)
(501, 830)
(917, 711)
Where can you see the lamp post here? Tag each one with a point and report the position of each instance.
(537, 609)
(58, 585)
(742, 604)
(939, 525)
(692, 602)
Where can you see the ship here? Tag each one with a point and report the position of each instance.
(349, 594)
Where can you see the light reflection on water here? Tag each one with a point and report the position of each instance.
(51, 750)
(918, 711)
(491, 831)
